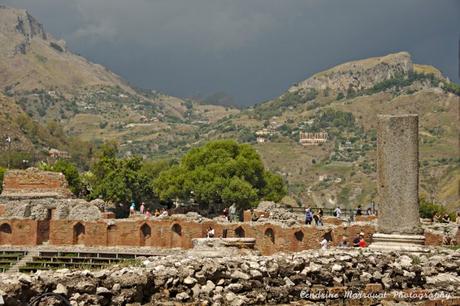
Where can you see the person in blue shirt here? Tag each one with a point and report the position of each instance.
(132, 209)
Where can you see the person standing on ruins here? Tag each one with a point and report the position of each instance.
(359, 211)
(308, 216)
(132, 209)
(142, 208)
(319, 217)
(337, 212)
(225, 212)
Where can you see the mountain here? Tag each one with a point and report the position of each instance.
(344, 102)
(54, 98)
(50, 83)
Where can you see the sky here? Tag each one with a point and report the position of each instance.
(252, 50)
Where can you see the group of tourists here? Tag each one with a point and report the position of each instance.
(146, 212)
(316, 216)
(445, 218)
(358, 242)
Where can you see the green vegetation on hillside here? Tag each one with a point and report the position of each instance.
(401, 81)
(290, 99)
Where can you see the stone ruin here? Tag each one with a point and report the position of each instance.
(44, 195)
(399, 224)
(228, 270)
(34, 184)
(337, 277)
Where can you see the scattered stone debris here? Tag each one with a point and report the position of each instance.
(251, 280)
(278, 213)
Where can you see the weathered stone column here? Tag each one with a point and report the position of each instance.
(397, 168)
(398, 175)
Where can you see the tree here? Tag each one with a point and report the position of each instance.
(70, 172)
(123, 180)
(221, 172)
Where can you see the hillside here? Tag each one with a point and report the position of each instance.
(344, 102)
(49, 82)
(31, 140)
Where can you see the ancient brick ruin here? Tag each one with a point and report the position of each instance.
(29, 218)
(33, 183)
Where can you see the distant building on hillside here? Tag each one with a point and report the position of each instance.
(312, 139)
(263, 135)
(57, 154)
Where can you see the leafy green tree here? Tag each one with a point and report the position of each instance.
(221, 172)
(70, 172)
(123, 180)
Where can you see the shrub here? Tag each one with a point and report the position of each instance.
(429, 209)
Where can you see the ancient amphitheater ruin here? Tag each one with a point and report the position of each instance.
(55, 249)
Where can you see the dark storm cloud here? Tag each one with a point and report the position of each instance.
(250, 49)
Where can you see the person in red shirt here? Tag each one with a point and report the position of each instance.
(362, 243)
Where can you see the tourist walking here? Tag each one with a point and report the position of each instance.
(142, 208)
(359, 211)
(319, 217)
(338, 212)
(225, 212)
(308, 216)
(132, 209)
(148, 215)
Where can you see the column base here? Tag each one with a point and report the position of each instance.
(401, 243)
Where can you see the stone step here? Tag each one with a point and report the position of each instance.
(21, 263)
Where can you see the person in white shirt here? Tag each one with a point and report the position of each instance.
(324, 244)
(337, 212)
(211, 233)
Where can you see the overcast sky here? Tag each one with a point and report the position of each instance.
(252, 50)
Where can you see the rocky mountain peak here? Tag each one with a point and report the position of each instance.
(20, 26)
(358, 75)
(28, 26)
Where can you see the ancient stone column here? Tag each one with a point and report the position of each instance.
(399, 226)
(398, 174)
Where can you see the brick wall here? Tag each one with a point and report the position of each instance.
(172, 233)
(18, 232)
(178, 233)
(36, 183)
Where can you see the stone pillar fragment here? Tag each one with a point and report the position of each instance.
(398, 174)
(399, 226)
